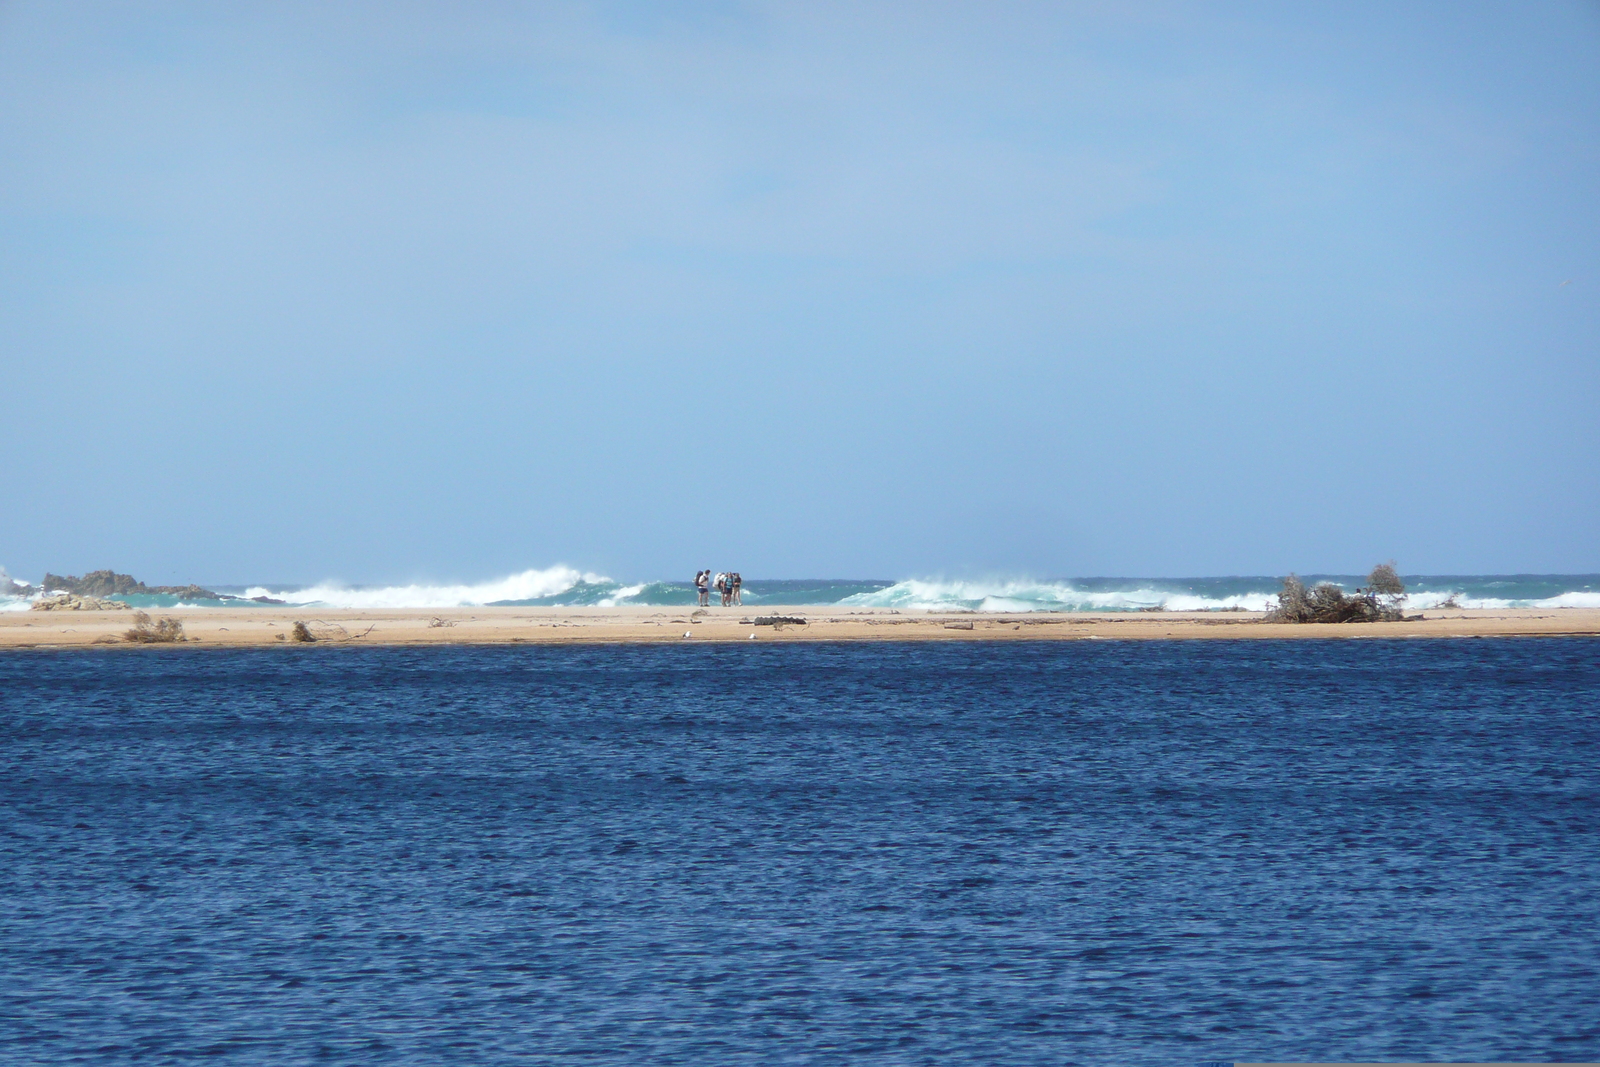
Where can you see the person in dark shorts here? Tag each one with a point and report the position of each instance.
(738, 583)
(702, 587)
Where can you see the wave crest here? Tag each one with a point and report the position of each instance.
(563, 586)
(529, 585)
(1022, 596)
(1431, 600)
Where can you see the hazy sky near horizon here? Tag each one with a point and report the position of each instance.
(380, 292)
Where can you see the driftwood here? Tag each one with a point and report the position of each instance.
(778, 620)
(318, 630)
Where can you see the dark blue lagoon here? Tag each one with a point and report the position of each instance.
(954, 853)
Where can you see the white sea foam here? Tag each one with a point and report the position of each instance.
(1571, 600)
(7, 601)
(1017, 595)
(1440, 598)
(528, 585)
(1021, 596)
(569, 586)
(627, 592)
(1242, 602)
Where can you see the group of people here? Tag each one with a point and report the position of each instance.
(727, 583)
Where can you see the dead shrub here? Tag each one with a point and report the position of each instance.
(164, 632)
(1378, 601)
(1384, 581)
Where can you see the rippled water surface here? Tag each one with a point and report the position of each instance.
(955, 853)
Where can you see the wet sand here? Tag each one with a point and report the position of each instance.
(272, 626)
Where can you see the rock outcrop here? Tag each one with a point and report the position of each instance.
(109, 583)
(73, 602)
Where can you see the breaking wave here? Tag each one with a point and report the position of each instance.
(1020, 596)
(553, 587)
(528, 587)
(1220, 594)
(563, 586)
(1433, 600)
(9, 600)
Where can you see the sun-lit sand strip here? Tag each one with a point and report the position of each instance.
(221, 627)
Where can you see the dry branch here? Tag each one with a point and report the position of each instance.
(167, 631)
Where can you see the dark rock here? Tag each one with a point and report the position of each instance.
(95, 583)
(191, 592)
(109, 583)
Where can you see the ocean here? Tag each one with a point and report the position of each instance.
(562, 586)
(1017, 853)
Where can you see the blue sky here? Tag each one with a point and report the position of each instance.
(383, 292)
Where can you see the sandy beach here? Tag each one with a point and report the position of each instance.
(273, 626)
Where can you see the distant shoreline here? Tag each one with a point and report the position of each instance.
(273, 626)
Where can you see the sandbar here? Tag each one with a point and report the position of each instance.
(640, 624)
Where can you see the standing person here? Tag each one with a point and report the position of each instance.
(723, 587)
(700, 578)
(738, 583)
